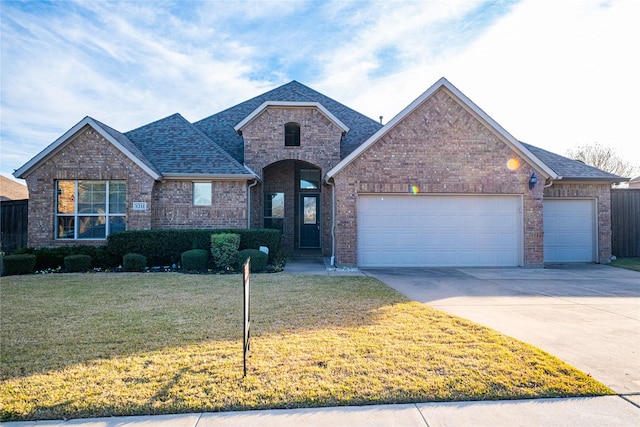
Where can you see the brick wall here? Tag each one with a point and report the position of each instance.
(87, 156)
(266, 154)
(264, 139)
(601, 193)
(443, 149)
(172, 205)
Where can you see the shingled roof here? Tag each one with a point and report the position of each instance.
(572, 169)
(219, 127)
(177, 147)
(128, 144)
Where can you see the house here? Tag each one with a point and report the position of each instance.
(635, 182)
(12, 190)
(441, 184)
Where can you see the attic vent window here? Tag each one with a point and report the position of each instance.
(292, 135)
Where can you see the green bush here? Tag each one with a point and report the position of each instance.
(195, 260)
(224, 248)
(258, 259)
(134, 262)
(18, 264)
(165, 247)
(53, 258)
(77, 263)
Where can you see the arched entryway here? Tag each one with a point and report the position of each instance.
(292, 201)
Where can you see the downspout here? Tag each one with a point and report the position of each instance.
(333, 222)
(255, 182)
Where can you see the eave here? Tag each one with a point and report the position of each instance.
(67, 137)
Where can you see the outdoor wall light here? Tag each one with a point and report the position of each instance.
(533, 181)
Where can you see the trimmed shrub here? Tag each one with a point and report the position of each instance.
(258, 259)
(18, 264)
(77, 263)
(134, 262)
(224, 248)
(165, 247)
(195, 260)
(53, 258)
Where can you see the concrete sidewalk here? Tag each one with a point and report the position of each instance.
(574, 412)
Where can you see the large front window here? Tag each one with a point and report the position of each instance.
(89, 209)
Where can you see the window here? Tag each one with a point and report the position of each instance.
(274, 211)
(90, 209)
(202, 194)
(292, 135)
(309, 179)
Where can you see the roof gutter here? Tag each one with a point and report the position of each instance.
(215, 177)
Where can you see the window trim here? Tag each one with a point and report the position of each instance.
(76, 215)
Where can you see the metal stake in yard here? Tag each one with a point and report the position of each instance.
(246, 275)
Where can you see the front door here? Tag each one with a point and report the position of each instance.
(309, 220)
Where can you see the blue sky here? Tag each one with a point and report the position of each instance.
(554, 73)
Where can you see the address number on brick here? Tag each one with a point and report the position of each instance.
(139, 206)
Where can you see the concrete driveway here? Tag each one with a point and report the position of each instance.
(587, 315)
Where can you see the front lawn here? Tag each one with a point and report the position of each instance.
(628, 263)
(81, 345)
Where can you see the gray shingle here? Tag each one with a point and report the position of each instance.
(569, 168)
(126, 143)
(219, 127)
(176, 146)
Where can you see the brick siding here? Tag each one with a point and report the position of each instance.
(266, 154)
(88, 156)
(172, 205)
(443, 149)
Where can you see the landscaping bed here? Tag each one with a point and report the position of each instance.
(88, 345)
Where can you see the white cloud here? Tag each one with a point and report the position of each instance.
(554, 73)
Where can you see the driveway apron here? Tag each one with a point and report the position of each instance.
(586, 314)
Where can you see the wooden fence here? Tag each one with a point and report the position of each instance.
(625, 222)
(13, 225)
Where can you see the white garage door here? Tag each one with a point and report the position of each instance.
(569, 231)
(444, 231)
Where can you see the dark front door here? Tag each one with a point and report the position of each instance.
(309, 220)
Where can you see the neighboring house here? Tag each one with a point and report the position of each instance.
(12, 190)
(635, 182)
(442, 184)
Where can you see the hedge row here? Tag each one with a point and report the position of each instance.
(53, 258)
(159, 247)
(165, 247)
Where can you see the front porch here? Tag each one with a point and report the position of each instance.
(292, 198)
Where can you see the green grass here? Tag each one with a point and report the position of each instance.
(628, 263)
(81, 345)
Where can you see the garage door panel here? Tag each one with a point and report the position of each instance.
(569, 230)
(439, 230)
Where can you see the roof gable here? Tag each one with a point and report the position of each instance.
(177, 148)
(255, 113)
(444, 84)
(220, 127)
(117, 139)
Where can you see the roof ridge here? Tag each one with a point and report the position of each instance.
(154, 122)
